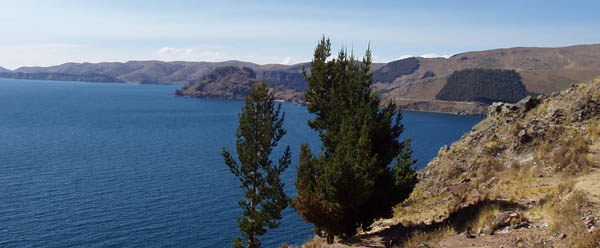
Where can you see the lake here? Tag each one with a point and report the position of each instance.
(97, 165)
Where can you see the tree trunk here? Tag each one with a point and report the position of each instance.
(330, 238)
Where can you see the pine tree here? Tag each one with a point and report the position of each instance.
(351, 181)
(260, 129)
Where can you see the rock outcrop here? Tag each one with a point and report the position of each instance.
(233, 82)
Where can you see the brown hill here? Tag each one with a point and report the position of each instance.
(544, 70)
(412, 82)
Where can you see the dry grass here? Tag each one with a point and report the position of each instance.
(314, 242)
(566, 218)
(431, 238)
(541, 155)
(594, 129)
(485, 216)
(571, 156)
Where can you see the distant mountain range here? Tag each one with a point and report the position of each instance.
(178, 72)
(413, 82)
(2, 69)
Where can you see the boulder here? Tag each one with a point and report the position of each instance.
(529, 103)
(502, 219)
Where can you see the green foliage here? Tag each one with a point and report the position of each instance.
(404, 174)
(350, 183)
(396, 69)
(260, 129)
(484, 85)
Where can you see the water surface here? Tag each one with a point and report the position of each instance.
(96, 165)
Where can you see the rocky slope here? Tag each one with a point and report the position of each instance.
(526, 176)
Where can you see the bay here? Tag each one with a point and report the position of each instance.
(103, 164)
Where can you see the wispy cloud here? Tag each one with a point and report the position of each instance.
(427, 55)
(189, 54)
(435, 55)
(286, 61)
(213, 55)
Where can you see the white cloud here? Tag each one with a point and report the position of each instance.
(212, 55)
(286, 61)
(189, 54)
(434, 55)
(427, 55)
(404, 57)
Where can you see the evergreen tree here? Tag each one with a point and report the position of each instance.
(351, 182)
(260, 129)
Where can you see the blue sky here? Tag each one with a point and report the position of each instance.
(54, 32)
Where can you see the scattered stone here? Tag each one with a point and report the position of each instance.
(523, 224)
(562, 236)
(443, 150)
(506, 229)
(589, 221)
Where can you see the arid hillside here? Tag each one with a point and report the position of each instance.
(526, 176)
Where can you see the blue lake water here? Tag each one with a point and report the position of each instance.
(101, 165)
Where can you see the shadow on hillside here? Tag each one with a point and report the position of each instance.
(398, 234)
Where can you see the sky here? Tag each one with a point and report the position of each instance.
(44, 33)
